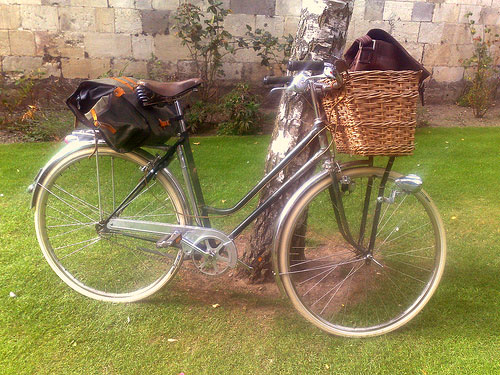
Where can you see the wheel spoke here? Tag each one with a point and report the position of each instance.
(105, 266)
(350, 291)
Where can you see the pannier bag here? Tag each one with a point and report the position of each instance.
(111, 106)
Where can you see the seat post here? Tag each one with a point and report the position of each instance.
(182, 123)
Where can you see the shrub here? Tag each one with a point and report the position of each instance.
(484, 77)
(241, 108)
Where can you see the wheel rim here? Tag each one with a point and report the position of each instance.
(347, 293)
(102, 265)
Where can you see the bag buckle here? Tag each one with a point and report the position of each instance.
(366, 53)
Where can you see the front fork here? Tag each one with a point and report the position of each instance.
(338, 208)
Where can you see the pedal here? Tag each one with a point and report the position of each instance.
(169, 240)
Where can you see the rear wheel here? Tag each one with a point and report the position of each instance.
(348, 292)
(80, 191)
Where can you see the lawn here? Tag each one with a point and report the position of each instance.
(49, 329)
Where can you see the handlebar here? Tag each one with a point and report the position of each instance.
(271, 80)
(295, 66)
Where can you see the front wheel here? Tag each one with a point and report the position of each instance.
(341, 287)
(80, 191)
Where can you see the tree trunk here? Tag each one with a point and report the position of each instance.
(321, 34)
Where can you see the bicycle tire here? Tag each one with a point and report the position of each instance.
(332, 286)
(71, 202)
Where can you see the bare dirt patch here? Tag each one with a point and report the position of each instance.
(229, 289)
(449, 115)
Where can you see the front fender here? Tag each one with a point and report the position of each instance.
(283, 218)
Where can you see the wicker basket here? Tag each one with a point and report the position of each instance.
(374, 113)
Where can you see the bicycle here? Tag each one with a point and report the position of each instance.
(358, 249)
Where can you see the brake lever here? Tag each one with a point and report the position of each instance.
(275, 89)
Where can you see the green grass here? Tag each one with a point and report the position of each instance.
(49, 329)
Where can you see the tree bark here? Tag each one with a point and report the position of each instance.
(321, 35)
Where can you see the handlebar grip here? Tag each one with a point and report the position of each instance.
(271, 80)
(295, 66)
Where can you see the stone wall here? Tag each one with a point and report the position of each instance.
(86, 38)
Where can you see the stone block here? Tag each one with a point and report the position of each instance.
(131, 68)
(405, 32)
(142, 47)
(21, 2)
(77, 19)
(447, 74)
(186, 69)
(155, 21)
(90, 3)
(10, 18)
(446, 13)
(255, 72)
(108, 45)
(456, 34)
(58, 3)
(165, 4)
(256, 7)
(22, 43)
(288, 8)
(21, 64)
(162, 71)
(121, 3)
(4, 43)
(361, 27)
(446, 54)
(244, 55)
(143, 4)
(374, 10)
(474, 9)
(415, 49)
(51, 69)
(291, 25)
(398, 10)
(168, 48)
(236, 23)
(84, 68)
(490, 16)
(232, 71)
(59, 44)
(99, 67)
(36, 17)
(128, 21)
(436, 55)
(431, 33)
(105, 20)
(275, 25)
(422, 12)
(458, 53)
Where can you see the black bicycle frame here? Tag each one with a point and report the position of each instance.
(201, 211)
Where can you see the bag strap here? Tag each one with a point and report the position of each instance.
(366, 49)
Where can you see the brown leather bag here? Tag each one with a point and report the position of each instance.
(378, 50)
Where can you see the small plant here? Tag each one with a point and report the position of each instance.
(241, 109)
(208, 42)
(484, 80)
(157, 70)
(270, 48)
(201, 115)
(17, 102)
